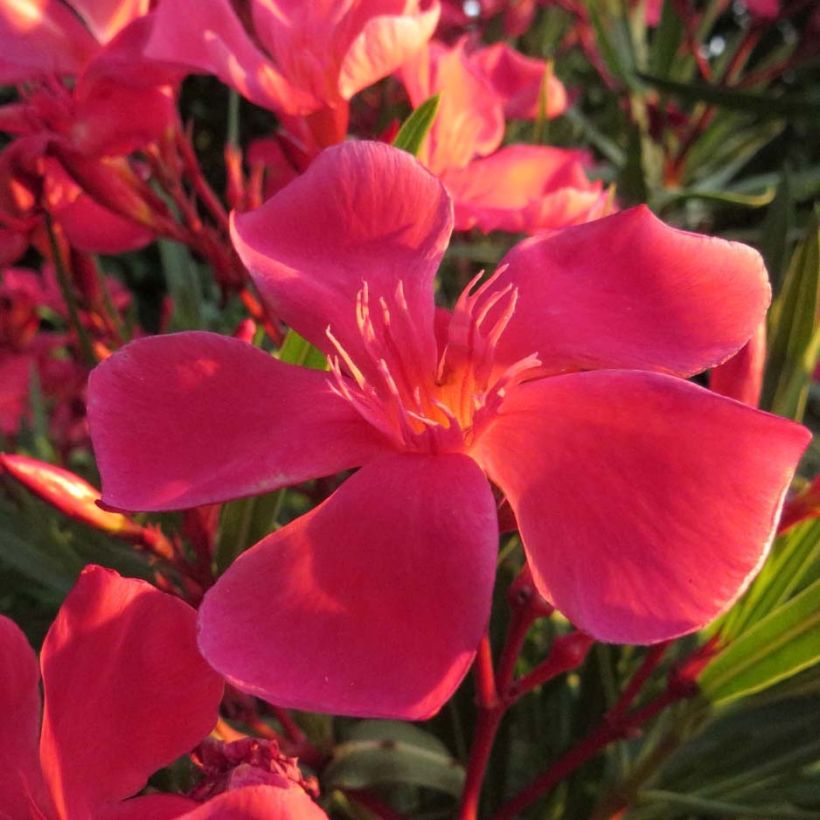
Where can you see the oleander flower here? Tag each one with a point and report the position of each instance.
(295, 57)
(125, 692)
(645, 503)
(520, 188)
(86, 98)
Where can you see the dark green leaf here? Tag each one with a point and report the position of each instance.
(793, 331)
(666, 41)
(388, 752)
(794, 105)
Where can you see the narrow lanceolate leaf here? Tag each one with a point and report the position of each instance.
(667, 40)
(803, 106)
(389, 752)
(793, 563)
(780, 645)
(794, 332)
(416, 127)
(774, 243)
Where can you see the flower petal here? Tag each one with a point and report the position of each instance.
(21, 781)
(120, 665)
(106, 18)
(525, 188)
(628, 291)
(520, 81)
(385, 39)
(41, 38)
(259, 803)
(645, 503)
(207, 36)
(150, 807)
(15, 377)
(373, 603)
(362, 212)
(187, 419)
(470, 117)
(741, 377)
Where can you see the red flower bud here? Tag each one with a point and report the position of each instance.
(69, 493)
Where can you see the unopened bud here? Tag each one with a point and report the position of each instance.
(68, 493)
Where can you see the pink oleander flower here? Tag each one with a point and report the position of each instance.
(87, 97)
(523, 188)
(295, 57)
(125, 692)
(645, 503)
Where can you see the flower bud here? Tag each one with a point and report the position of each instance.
(68, 493)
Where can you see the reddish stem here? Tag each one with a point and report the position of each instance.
(203, 190)
(616, 724)
(650, 662)
(496, 691)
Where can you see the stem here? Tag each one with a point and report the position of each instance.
(489, 719)
(496, 691)
(203, 190)
(616, 724)
(68, 293)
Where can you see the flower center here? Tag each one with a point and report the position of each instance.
(423, 399)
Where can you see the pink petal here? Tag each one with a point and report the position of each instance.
(646, 504)
(741, 377)
(628, 291)
(150, 807)
(362, 212)
(13, 245)
(373, 603)
(106, 18)
(15, 376)
(92, 228)
(41, 38)
(259, 803)
(193, 418)
(89, 226)
(520, 81)
(470, 117)
(121, 668)
(764, 9)
(385, 41)
(21, 781)
(525, 188)
(207, 36)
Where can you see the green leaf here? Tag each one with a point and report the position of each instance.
(672, 197)
(666, 41)
(764, 105)
(795, 555)
(776, 647)
(296, 350)
(720, 808)
(416, 127)
(389, 752)
(774, 243)
(184, 286)
(793, 331)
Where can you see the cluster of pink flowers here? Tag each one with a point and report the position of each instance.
(559, 385)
